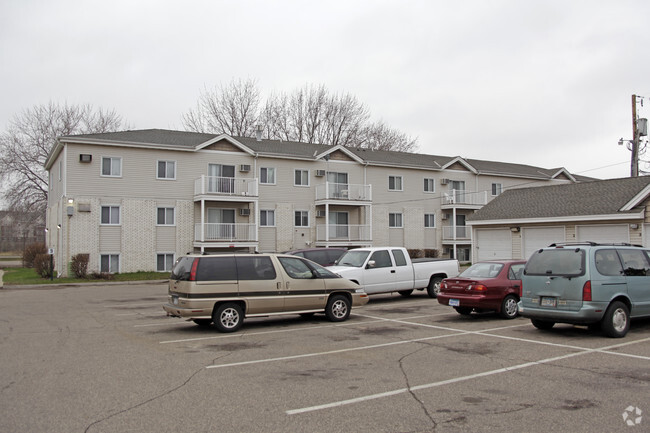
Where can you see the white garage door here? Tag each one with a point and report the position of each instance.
(613, 233)
(534, 238)
(493, 244)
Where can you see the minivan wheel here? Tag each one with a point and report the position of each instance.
(616, 321)
(203, 322)
(542, 324)
(434, 287)
(509, 307)
(338, 308)
(228, 317)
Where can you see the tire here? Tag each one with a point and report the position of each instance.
(338, 308)
(542, 324)
(434, 287)
(616, 321)
(464, 311)
(509, 307)
(405, 292)
(203, 322)
(228, 317)
(307, 315)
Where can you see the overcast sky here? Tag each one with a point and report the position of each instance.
(545, 83)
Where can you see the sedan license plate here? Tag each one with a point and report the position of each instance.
(175, 299)
(548, 302)
(454, 303)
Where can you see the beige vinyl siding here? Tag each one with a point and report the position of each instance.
(165, 238)
(110, 239)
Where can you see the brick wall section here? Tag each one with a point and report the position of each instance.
(184, 227)
(413, 227)
(284, 223)
(138, 235)
(380, 225)
(84, 233)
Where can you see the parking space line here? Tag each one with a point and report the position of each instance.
(136, 305)
(457, 379)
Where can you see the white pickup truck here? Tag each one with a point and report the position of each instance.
(390, 269)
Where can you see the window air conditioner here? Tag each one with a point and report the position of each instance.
(245, 167)
(320, 213)
(320, 173)
(445, 216)
(244, 212)
(444, 181)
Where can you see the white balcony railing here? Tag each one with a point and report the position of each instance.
(343, 232)
(463, 197)
(456, 233)
(230, 186)
(225, 232)
(343, 191)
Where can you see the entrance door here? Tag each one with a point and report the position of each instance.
(221, 178)
(339, 222)
(221, 224)
(461, 228)
(457, 190)
(338, 184)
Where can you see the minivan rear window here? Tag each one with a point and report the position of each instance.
(566, 262)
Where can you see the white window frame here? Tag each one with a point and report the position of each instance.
(110, 223)
(395, 216)
(395, 178)
(429, 183)
(165, 223)
(165, 260)
(167, 162)
(267, 212)
(302, 178)
(268, 170)
(110, 271)
(113, 160)
(498, 188)
(430, 218)
(303, 214)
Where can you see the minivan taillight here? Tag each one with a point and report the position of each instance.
(586, 291)
(195, 264)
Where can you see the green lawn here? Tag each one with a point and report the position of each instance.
(29, 276)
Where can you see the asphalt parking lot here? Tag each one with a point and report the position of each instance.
(107, 359)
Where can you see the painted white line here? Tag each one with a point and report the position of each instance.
(128, 314)
(136, 305)
(453, 380)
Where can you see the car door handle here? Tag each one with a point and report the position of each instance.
(516, 286)
(287, 285)
(279, 285)
(392, 271)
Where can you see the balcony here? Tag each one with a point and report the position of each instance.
(343, 233)
(228, 188)
(343, 191)
(225, 232)
(464, 199)
(456, 233)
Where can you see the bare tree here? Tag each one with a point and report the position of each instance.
(310, 114)
(26, 143)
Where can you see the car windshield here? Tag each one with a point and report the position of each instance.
(482, 270)
(353, 258)
(567, 262)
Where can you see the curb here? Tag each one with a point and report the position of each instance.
(63, 285)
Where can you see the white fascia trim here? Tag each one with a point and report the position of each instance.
(565, 172)
(461, 161)
(637, 199)
(342, 149)
(53, 155)
(230, 140)
(615, 217)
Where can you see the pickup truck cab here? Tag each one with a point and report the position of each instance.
(390, 269)
(224, 289)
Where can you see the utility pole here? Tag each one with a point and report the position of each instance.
(634, 164)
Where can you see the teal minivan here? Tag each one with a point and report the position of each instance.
(598, 285)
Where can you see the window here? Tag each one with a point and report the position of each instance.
(430, 220)
(255, 268)
(111, 166)
(267, 175)
(301, 178)
(608, 262)
(400, 260)
(395, 220)
(395, 183)
(166, 170)
(110, 215)
(165, 216)
(429, 185)
(267, 218)
(382, 259)
(301, 218)
(110, 263)
(164, 262)
(296, 268)
(497, 189)
(215, 269)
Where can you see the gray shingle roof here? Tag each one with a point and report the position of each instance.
(190, 140)
(604, 197)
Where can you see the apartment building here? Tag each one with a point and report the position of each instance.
(136, 200)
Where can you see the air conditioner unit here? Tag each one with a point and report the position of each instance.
(445, 216)
(244, 212)
(320, 213)
(245, 167)
(444, 181)
(320, 173)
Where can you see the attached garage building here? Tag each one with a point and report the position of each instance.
(519, 221)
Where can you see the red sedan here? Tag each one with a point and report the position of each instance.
(493, 286)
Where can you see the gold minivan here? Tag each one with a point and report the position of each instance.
(224, 289)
